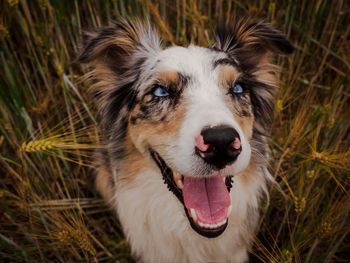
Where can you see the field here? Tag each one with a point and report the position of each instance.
(49, 211)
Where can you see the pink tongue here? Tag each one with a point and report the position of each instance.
(208, 197)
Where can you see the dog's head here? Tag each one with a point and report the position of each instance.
(200, 113)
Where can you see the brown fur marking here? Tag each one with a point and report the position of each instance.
(228, 75)
(158, 134)
(104, 183)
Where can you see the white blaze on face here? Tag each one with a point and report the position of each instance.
(205, 107)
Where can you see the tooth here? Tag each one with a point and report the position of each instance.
(200, 224)
(194, 216)
(224, 179)
(177, 175)
(229, 210)
(180, 184)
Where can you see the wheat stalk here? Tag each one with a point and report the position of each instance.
(64, 237)
(72, 236)
(299, 204)
(54, 143)
(39, 145)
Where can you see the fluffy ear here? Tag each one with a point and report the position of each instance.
(249, 41)
(117, 55)
(114, 45)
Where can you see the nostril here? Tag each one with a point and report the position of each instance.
(236, 144)
(209, 153)
(211, 148)
(200, 143)
(234, 148)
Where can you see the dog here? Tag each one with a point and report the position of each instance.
(185, 133)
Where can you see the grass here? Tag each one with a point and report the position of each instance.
(49, 211)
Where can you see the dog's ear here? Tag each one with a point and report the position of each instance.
(113, 46)
(116, 55)
(249, 41)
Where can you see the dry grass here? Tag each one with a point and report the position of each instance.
(48, 209)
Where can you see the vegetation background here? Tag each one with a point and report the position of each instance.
(48, 208)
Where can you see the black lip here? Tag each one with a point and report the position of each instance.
(167, 175)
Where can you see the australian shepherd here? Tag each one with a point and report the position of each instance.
(185, 133)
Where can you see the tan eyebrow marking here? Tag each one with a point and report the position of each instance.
(168, 77)
(228, 74)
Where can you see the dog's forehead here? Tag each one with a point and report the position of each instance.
(191, 61)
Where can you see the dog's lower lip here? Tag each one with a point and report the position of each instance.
(174, 182)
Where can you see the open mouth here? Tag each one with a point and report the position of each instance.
(206, 200)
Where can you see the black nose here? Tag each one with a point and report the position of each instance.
(223, 146)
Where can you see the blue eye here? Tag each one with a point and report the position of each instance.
(237, 89)
(160, 91)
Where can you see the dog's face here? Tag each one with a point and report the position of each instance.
(199, 113)
(188, 95)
